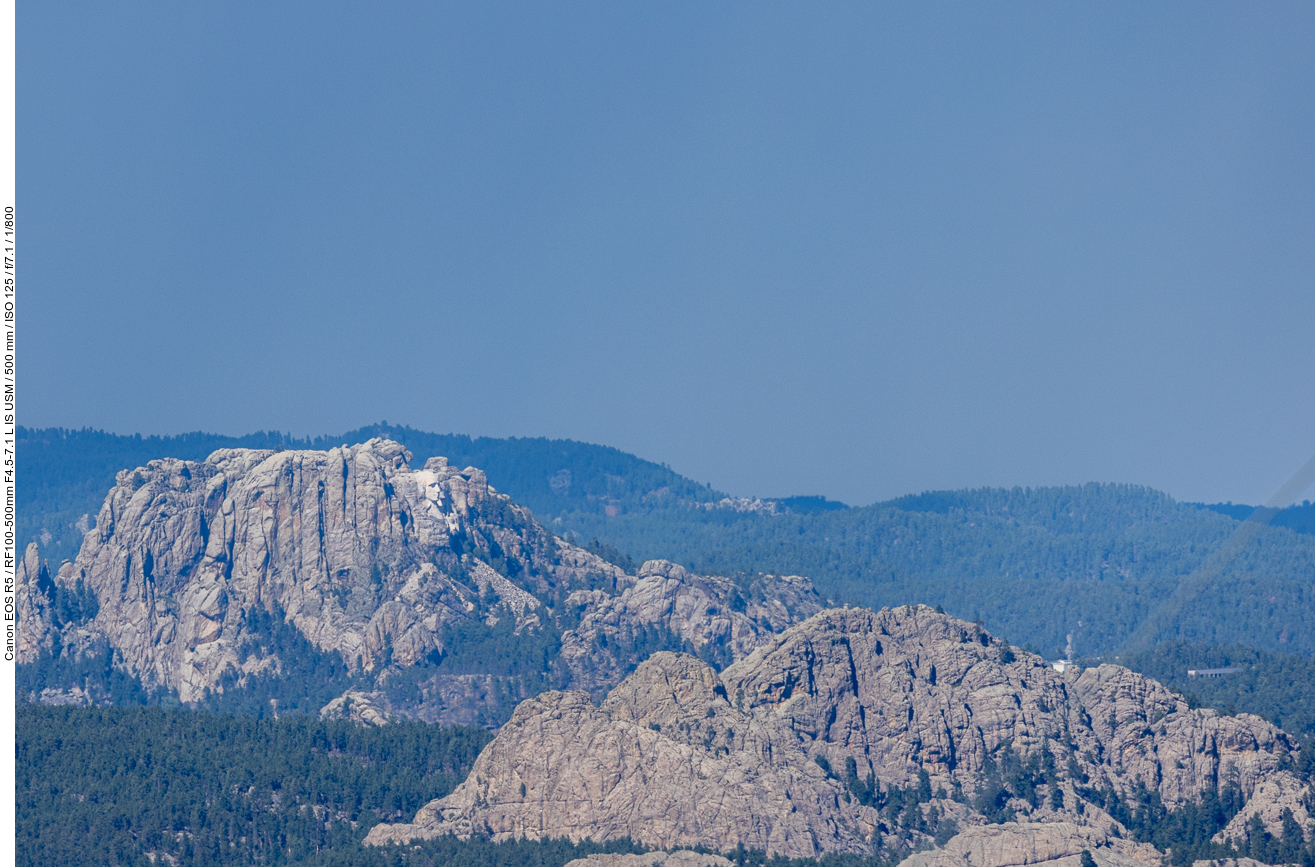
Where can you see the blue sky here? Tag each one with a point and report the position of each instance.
(857, 250)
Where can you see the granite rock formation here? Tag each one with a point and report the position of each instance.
(709, 613)
(679, 858)
(679, 755)
(33, 603)
(369, 559)
(1053, 844)
(1280, 792)
(364, 708)
(666, 759)
(907, 689)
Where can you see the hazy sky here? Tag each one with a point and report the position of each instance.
(855, 250)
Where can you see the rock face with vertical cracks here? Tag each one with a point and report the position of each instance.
(707, 612)
(666, 759)
(907, 689)
(1036, 844)
(679, 755)
(33, 603)
(367, 558)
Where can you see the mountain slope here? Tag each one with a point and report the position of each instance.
(1278, 686)
(65, 473)
(420, 582)
(1094, 562)
(936, 725)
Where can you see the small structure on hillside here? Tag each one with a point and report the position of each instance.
(1211, 672)
(1063, 665)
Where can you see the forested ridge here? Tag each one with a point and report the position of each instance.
(101, 786)
(1035, 565)
(1299, 517)
(1277, 686)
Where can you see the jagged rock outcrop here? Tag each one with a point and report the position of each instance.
(901, 700)
(1053, 844)
(666, 759)
(35, 624)
(1269, 801)
(359, 707)
(358, 550)
(369, 559)
(708, 613)
(679, 858)
(1146, 733)
(907, 689)
(76, 696)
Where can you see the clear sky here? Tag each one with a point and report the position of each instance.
(856, 250)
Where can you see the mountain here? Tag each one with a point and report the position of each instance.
(857, 731)
(65, 473)
(209, 789)
(1105, 564)
(425, 591)
(663, 705)
(1102, 563)
(1278, 686)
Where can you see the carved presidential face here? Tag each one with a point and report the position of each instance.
(429, 486)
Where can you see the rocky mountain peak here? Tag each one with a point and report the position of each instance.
(374, 562)
(803, 746)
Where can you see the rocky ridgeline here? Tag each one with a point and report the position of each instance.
(369, 559)
(703, 610)
(678, 755)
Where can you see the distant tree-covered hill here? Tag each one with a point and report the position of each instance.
(65, 474)
(1093, 561)
(1300, 517)
(1277, 686)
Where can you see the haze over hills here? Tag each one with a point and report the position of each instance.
(1038, 565)
(1101, 558)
